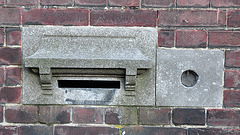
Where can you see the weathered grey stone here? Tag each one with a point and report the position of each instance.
(207, 64)
(51, 53)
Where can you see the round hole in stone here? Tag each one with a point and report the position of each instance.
(189, 78)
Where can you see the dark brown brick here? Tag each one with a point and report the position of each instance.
(9, 130)
(91, 2)
(232, 79)
(121, 115)
(1, 76)
(54, 114)
(56, 2)
(191, 38)
(232, 59)
(22, 2)
(166, 38)
(225, 3)
(123, 18)
(193, 3)
(13, 76)
(87, 115)
(213, 131)
(67, 130)
(191, 18)
(155, 116)
(10, 94)
(224, 39)
(1, 115)
(13, 36)
(21, 114)
(10, 56)
(1, 36)
(153, 131)
(223, 117)
(55, 17)
(188, 116)
(231, 98)
(36, 130)
(158, 3)
(128, 3)
(10, 16)
(233, 18)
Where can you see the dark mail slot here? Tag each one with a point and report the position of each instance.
(88, 84)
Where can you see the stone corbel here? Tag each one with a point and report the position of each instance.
(46, 80)
(130, 81)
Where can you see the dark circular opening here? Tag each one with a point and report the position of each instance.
(189, 78)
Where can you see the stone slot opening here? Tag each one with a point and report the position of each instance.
(189, 78)
(88, 84)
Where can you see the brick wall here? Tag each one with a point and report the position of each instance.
(199, 24)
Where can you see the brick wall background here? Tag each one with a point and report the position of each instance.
(208, 24)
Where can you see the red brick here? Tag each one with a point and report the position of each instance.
(224, 39)
(10, 16)
(191, 18)
(191, 38)
(22, 2)
(233, 18)
(1, 36)
(1, 76)
(158, 3)
(213, 131)
(225, 3)
(223, 117)
(68, 130)
(10, 56)
(56, 17)
(10, 94)
(21, 114)
(13, 76)
(91, 2)
(36, 130)
(128, 3)
(121, 115)
(153, 131)
(54, 114)
(123, 18)
(231, 98)
(56, 2)
(2, 2)
(232, 79)
(8, 130)
(155, 116)
(1, 115)
(166, 38)
(193, 3)
(232, 59)
(87, 115)
(13, 36)
(188, 116)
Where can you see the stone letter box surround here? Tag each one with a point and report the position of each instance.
(89, 65)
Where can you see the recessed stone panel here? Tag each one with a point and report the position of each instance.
(189, 77)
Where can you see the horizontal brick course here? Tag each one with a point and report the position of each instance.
(123, 18)
(191, 18)
(10, 94)
(232, 59)
(188, 116)
(87, 115)
(166, 38)
(232, 79)
(22, 2)
(91, 2)
(21, 114)
(224, 39)
(223, 117)
(191, 38)
(10, 16)
(1, 76)
(54, 114)
(9, 130)
(231, 98)
(13, 36)
(154, 116)
(193, 3)
(225, 3)
(13, 76)
(158, 3)
(153, 131)
(1, 36)
(10, 56)
(233, 18)
(55, 17)
(213, 131)
(36, 130)
(56, 2)
(129, 3)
